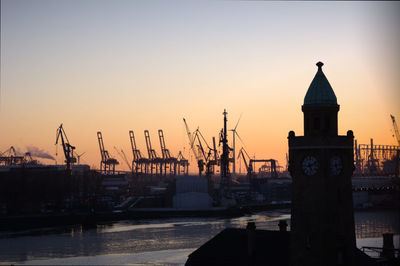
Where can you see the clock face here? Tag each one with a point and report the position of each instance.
(310, 165)
(336, 165)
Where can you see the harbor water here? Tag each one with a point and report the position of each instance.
(160, 241)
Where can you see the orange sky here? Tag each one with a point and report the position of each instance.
(117, 66)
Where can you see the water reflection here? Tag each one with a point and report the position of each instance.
(140, 236)
(374, 223)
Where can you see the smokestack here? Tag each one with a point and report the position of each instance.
(282, 225)
(388, 246)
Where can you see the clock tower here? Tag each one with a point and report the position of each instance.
(321, 165)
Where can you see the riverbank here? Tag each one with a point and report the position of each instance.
(134, 241)
(87, 219)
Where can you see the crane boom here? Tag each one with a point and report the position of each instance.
(67, 148)
(191, 141)
(107, 164)
(244, 153)
(123, 157)
(136, 153)
(396, 130)
(164, 150)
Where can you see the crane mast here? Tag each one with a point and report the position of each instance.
(396, 130)
(107, 164)
(153, 158)
(249, 167)
(67, 148)
(122, 155)
(197, 155)
(167, 159)
(138, 161)
(164, 151)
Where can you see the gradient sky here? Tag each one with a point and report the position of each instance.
(120, 65)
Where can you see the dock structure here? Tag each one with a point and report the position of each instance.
(381, 160)
(182, 164)
(10, 157)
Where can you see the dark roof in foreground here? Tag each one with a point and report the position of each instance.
(229, 247)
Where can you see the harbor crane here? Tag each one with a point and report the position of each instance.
(138, 161)
(10, 157)
(155, 161)
(396, 130)
(206, 157)
(67, 148)
(107, 164)
(168, 160)
(196, 153)
(122, 155)
(249, 167)
(183, 163)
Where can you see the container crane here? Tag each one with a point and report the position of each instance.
(67, 148)
(107, 164)
(182, 162)
(396, 130)
(168, 160)
(10, 157)
(138, 160)
(153, 158)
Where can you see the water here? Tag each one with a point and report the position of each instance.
(155, 241)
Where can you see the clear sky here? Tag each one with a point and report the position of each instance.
(120, 65)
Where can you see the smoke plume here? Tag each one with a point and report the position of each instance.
(37, 152)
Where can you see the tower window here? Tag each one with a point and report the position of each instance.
(339, 197)
(340, 259)
(327, 123)
(316, 123)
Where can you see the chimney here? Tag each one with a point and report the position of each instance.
(251, 228)
(388, 246)
(282, 225)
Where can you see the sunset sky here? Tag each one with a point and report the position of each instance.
(116, 66)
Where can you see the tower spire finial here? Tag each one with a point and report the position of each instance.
(319, 64)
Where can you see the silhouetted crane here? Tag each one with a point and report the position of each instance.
(122, 155)
(107, 164)
(168, 160)
(396, 130)
(243, 153)
(197, 155)
(67, 148)
(155, 161)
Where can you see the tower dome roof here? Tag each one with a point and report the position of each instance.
(320, 92)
